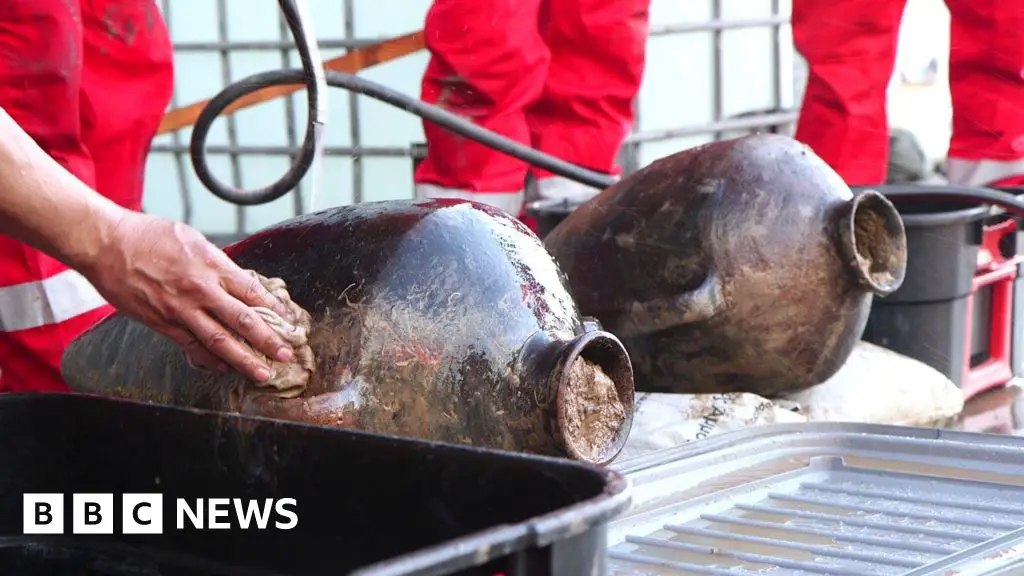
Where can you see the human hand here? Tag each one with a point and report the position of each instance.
(169, 276)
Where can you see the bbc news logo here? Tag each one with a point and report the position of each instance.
(144, 514)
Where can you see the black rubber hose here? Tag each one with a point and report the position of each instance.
(311, 75)
(947, 193)
(377, 91)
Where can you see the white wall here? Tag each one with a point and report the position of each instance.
(922, 104)
(679, 78)
(199, 77)
(677, 91)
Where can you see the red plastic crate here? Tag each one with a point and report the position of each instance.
(996, 270)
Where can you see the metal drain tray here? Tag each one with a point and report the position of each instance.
(836, 499)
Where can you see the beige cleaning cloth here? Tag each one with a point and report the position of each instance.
(289, 379)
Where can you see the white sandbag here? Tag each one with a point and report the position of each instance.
(879, 386)
(876, 386)
(667, 420)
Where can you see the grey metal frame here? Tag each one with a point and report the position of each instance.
(774, 119)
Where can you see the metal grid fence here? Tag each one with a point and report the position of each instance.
(775, 118)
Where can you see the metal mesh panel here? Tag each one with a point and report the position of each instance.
(197, 207)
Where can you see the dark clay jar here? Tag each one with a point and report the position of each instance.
(441, 320)
(742, 265)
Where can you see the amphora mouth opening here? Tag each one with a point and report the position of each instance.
(874, 241)
(594, 396)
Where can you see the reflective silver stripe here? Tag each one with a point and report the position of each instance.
(561, 188)
(51, 301)
(510, 202)
(981, 172)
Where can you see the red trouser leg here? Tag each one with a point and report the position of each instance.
(488, 63)
(986, 76)
(850, 48)
(50, 85)
(597, 63)
(127, 85)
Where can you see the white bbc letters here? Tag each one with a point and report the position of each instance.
(43, 513)
(142, 514)
(219, 508)
(92, 513)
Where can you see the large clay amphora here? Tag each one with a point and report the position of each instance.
(441, 320)
(741, 265)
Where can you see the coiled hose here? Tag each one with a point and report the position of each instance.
(316, 79)
(312, 76)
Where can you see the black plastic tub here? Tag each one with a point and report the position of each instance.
(550, 213)
(931, 332)
(926, 319)
(366, 504)
(943, 239)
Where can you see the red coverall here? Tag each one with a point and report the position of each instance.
(850, 48)
(559, 75)
(89, 80)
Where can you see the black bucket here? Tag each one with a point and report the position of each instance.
(550, 213)
(926, 319)
(943, 239)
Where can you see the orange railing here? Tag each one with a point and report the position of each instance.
(351, 63)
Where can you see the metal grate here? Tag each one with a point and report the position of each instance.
(827, 518)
